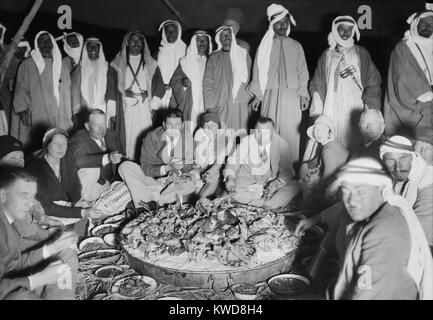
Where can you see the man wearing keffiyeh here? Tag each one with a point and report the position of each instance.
(42, 94)
(383, 251)
(409, 97)
(344, 81)
(412, 179)
(172, 49)
(130, 91)
(225, 80)
(280, 78)
(187, 80)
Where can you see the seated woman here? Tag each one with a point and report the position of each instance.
(209, 154)
(324, 162)
(58, 187)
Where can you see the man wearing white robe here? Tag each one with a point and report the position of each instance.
(129, 92)
(345, 79)
(280, 78)
(89, 79)
(72, 45)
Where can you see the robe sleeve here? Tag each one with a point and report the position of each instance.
(405, 85)
(303, 75)
(158, 86)
(254, 86)
(318, 82)
(179, 91)
(371, 80)
(423, 208)
(22, 89)
(76, 90)
(209, 84)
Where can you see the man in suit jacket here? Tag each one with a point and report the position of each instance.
(166, 151)
(93, 152)
(27, 275)
(259, 172)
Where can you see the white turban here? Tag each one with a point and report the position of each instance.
(275, 12)
(334, 37)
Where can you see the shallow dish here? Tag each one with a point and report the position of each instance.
(116, 219)
(134, 287)
(111, 239)
(107, 273)
(101, 257)
(103, 229)
(244, 291)
(288, 284)
(92, 244)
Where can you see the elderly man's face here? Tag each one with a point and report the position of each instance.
(398, 165)
(45, 45)
(135, 44)
(345, 31)
(202, 45)
(97, 126)
(425, 27)
(13, 159)
(72, 41)
(425, 150)
(171, 32)
(280, 27)
(233, 24)
(371, 127)
(361, 200)
(18, 198)
(226, 39)
(93, 50)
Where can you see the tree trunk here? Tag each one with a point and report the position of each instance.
(17, 38)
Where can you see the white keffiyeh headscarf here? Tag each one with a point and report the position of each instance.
(275, 12)
(417, 43)
(170, 53)
(334, 37)
(194, 66)
(420, 175)
(2, 36)
(25, 44)
(74, 53)
(57, 62)
(420, 263)
(238, 59)
(94, 77)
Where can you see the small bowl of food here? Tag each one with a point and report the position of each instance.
(288, 284)
(244, 291)
(108, 273)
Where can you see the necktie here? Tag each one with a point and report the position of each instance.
(264, 155)
(103, 145)
(171, 147)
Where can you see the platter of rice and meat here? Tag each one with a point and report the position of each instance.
(212, 244)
